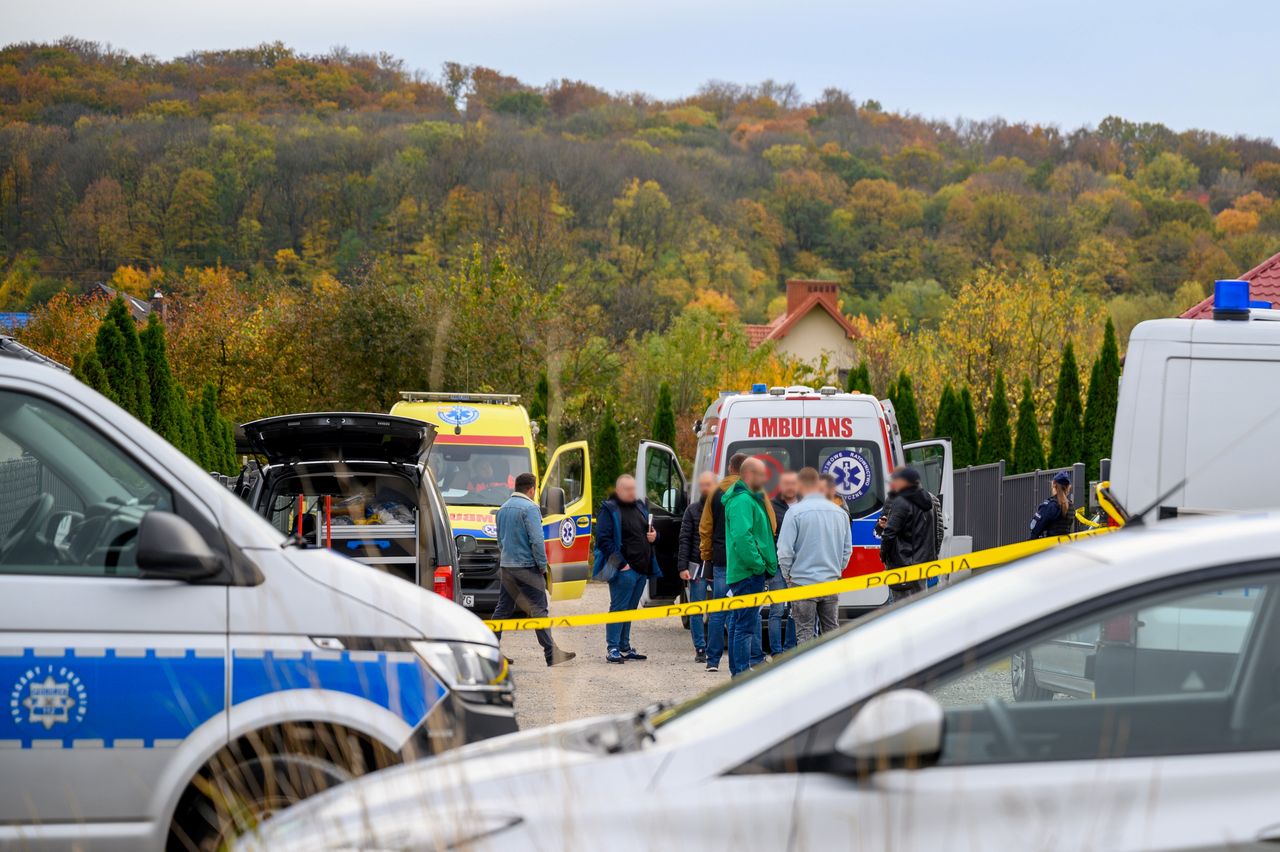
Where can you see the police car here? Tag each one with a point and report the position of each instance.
(174, 667)
(900, 731)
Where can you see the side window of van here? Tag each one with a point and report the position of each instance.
(70, 500)
(664, 483)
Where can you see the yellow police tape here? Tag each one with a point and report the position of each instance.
(911, 573)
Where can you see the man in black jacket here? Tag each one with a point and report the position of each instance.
(689, 558)
(910, 535)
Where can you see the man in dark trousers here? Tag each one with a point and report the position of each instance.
(782, 629)
(689, 558)
(624, 553)
(910, 535)
(522, 561)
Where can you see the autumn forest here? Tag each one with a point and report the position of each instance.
(328, 230)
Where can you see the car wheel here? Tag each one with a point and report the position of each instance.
(233, 800)
(682, 598)
(1022, 679)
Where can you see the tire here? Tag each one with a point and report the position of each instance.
(1022, 679)
(682, 598)
(229, 801)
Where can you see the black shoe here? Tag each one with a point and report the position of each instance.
(614, 657)
(633, 654)
(700, 656)
(558, 656)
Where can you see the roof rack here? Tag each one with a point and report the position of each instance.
(446, 396)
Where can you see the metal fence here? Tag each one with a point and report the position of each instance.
(21, 480)
(996, 509)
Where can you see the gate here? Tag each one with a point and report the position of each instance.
(996, 509)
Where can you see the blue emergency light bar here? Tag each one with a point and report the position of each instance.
(1231, 300)
(760, 387)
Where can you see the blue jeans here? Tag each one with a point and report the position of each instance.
(625, 590)
(779, 639)
(717, 621)
(698, 592)
(744, 628)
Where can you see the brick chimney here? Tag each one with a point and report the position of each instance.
(800, 289)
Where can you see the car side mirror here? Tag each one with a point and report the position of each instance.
(553, 500)
(169, 548)
(902, 727)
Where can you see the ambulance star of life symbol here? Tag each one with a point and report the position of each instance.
(568, 532)
(852, 473)
(59, 696)
(460, 415)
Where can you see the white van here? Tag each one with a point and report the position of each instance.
(851, 435)
(1198, 412)
(175, 667)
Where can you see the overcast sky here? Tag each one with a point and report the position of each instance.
(1186, 64)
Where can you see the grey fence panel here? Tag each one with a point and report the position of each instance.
(19, 484)
(996, 509)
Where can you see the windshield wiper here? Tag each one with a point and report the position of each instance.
(644, 720)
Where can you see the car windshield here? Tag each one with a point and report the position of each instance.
(477, 475)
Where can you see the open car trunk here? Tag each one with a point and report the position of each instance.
(339, 436)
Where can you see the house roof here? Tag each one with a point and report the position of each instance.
(1264, 285)
(778, 329)
(137, 307)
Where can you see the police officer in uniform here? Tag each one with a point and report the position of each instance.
(1055, 516)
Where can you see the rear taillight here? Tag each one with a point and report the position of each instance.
(1121, 628)
(442, 582)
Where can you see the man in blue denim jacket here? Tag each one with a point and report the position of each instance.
(522, 561)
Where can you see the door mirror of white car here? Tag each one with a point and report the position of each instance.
(169, 548)
(899, 727)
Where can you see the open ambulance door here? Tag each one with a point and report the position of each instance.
(565, 499)
(934, 461)
(661, 482)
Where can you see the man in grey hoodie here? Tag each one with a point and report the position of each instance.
(814, 546)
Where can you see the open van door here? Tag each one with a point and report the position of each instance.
(934, 461)
(661, 482)
(565, 499)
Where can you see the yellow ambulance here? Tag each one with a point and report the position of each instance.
(484, 442)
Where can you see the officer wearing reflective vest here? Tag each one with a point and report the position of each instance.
(1055, 515)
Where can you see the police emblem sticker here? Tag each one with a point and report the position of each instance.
(490, 530)
(568, 532)
(48, 695)
(852, 472)
(460, 415)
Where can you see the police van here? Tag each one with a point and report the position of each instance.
(1198, 416)
(483, 442)
(174, 666)
(853, 436)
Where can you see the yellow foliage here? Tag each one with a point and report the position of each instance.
(137, 282)
(1236, 222)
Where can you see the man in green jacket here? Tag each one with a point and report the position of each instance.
(752, 559)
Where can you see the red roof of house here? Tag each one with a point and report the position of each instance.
(1264, 285)
(802, 297)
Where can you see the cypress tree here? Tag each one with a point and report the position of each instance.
(538, 414)
(118, 314)
(112, 354)
(997, 440)
(1028, 451)
(944, 418)
(218, 454)
(199, 438)
(186, 427)
(1100, 407)
(664, 419)
(859, 380)
(607, 455)
(88, 369)
(970, 427)
(1066, 434)
(164, 405)
(903, 396)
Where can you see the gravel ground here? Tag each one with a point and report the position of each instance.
(588, 686)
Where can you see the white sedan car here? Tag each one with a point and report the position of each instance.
(904, 731)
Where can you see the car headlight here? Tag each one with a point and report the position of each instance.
(466, 665)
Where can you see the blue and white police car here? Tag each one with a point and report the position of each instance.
(173, 667)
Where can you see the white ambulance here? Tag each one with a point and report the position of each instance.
(853, 436)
